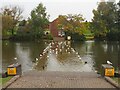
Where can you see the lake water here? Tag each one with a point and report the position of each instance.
(60, 56)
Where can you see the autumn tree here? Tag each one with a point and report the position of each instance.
(7, 25)
(71, 24)
(10, 17)
(0, 26)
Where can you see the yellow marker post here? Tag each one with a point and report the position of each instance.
(11, 71)
(107, 70)
(14, 69)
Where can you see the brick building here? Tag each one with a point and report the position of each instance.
(56, 33)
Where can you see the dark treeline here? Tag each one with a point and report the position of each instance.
(106, 21)
(15, 28)
(105, 24)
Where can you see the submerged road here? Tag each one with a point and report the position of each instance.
(55, 79)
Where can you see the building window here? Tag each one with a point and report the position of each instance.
(61, 33)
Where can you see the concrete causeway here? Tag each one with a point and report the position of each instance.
(57, 79)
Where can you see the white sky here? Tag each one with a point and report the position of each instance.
(56, 7)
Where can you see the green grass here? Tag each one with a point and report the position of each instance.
(5, 80)
(89, 38)
(88, 35)
(117, 80)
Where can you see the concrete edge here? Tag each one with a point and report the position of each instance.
(111, 81)
(12, 80)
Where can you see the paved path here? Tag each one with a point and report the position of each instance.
(35, 79)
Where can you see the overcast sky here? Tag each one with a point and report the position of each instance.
(56, 7)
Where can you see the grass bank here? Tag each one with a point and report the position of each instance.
(5, 80)
(116, 79)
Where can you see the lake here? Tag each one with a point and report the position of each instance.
(60, 56)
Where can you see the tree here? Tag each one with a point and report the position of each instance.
(71, 23)
(118, 19)
(0, 26)
(7, 25)
(118, 13)
(39, 20)
(104, 19)
(10, 17)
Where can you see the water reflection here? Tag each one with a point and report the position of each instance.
(8, 53)
(25, 60)
(60, 56)
(21, 52)
(104, 51)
